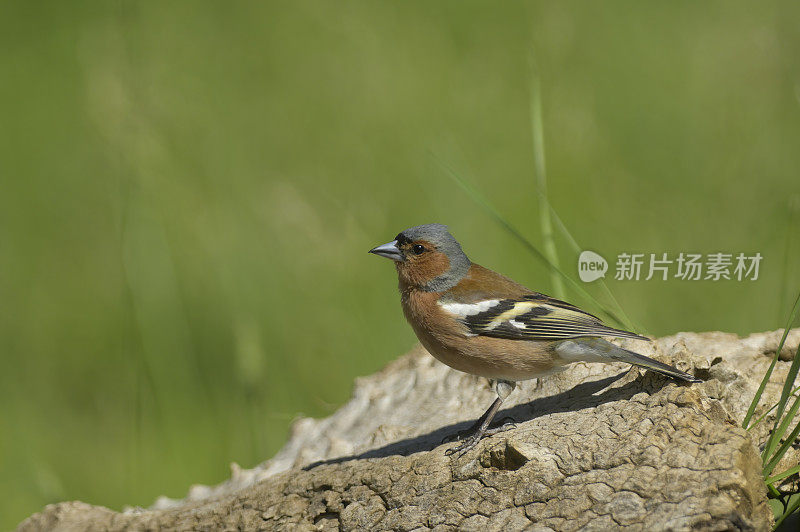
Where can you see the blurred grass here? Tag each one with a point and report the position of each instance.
(189, 190)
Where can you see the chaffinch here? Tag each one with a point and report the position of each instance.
(480, 322)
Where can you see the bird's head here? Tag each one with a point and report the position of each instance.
(427, 257)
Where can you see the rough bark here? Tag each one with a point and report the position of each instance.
(596, 447)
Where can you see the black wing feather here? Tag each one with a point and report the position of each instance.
(539, 317)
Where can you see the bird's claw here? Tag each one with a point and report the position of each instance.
(471, 441)
(464, 446)
(458, 436)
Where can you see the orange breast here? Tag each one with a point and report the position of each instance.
(449, 341)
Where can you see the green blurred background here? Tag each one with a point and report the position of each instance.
(189, 190)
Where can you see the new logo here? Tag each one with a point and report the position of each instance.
(591, 266)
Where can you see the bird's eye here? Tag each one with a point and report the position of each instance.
(418, 249)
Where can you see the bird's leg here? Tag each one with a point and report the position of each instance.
(503, 389)
(487, 417)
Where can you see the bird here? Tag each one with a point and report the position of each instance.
(481, 322)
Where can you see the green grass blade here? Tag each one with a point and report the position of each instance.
(626, 321)
(792, 508)
(535, 251)
(780, 427)
(777, 432)
(546, 211)
(537, 130)
(773, 407)
(780, 476)
(757, 397)
(773, 461)
(787, 386)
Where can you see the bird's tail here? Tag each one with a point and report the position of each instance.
(601, 350)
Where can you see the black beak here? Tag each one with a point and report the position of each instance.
(389, 250)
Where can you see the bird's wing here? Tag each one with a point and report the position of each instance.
(530, 317)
